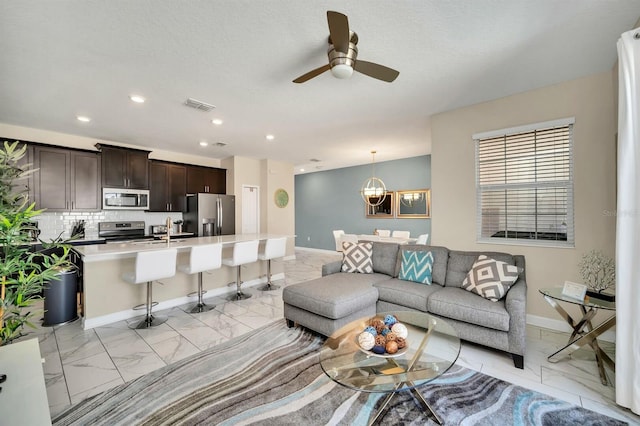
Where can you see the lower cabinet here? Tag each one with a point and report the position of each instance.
(66, 179)
(167, 187)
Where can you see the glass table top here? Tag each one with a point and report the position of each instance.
(589, 302)
(432, 348)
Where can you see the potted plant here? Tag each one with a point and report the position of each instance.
(23, 270)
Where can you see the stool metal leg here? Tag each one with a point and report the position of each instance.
(269, 285)
(150, 320)
(201, 306)
(240, 295)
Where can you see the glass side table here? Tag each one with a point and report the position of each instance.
(584, 333)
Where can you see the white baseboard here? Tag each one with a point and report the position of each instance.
(130, 313)
(316, 250)
(562, 326)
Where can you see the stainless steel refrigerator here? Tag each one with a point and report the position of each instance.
(210, 214)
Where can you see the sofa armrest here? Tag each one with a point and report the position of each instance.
(516, 306)
(331, 268)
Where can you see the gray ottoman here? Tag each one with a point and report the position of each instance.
(328, 303)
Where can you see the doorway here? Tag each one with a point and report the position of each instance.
(250, 209)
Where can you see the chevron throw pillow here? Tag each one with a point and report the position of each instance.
(491, 278)
(357, 257)
(416, 266)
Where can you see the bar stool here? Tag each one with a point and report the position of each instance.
(274, 248)
(243, 253)
(150, 266)
(202, 258)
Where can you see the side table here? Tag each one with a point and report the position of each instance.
(584, 333)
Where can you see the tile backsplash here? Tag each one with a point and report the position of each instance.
(53, 224)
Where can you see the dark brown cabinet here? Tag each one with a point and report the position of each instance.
(25, 185)
(66, 179)
(124, 168)
(206, 179)
(167, 187)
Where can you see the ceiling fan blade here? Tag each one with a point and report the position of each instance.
(339, 30)
(311, 74)
(376, 71)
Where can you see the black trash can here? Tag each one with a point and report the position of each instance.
(60, 298)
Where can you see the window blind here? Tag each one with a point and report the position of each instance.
(524, 183)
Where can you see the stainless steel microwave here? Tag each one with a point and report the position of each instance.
(125, 199)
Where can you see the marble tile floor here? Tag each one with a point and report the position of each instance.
(80, 363)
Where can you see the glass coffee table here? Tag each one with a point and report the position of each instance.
(432, 348)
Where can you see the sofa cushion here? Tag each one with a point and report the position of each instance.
(461, 305)
(405, 293)
(490, 278)
(416, 266)
(336, 295)
(384, 258)
(357, 257)
(461, 262)
(440, 260)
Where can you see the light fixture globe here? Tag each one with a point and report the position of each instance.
(373, 191)
(342, 71)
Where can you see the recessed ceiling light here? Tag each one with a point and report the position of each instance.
(217, 121)
(137, 99)
(83, 118)
(302, 170)
(203, 143)
(270, 137)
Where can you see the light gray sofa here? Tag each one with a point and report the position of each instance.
(326, 304)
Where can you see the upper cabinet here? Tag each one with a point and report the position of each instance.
(25, 185)
(206, 179)
(124, 167)
(66, 179)
(167, 187)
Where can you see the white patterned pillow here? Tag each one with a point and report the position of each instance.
(357, 257)
(491, 278)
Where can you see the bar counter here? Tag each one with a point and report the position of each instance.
(108, 299)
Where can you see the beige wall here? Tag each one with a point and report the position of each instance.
(591, 101)
(80, 142)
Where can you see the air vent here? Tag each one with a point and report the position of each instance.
(202, 106)
(314, 160)
(220, 144)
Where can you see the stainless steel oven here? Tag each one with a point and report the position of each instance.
(125, 199)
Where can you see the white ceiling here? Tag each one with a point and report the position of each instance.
(60, 59)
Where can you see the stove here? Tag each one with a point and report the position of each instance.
(123, 231)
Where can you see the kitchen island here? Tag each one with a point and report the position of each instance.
(107, 298)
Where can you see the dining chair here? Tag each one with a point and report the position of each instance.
(337, 233)
(384, 233)
(401, 234)
(422, 239)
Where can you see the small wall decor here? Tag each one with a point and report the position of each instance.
(281, 198)
(413, 204)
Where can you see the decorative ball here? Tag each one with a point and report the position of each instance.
(385, 331)
(380, 340)
(391, 347)
(378, 349)
(389, 320)
(366, 340)
(401, 342)
(371, 330)
(379, 325)
(400, 330)
(391, 336)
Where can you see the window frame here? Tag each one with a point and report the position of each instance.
(562, 183)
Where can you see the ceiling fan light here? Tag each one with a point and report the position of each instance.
(342, 71)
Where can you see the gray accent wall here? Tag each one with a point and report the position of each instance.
(328, 200)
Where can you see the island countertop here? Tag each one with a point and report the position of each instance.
(101, 252)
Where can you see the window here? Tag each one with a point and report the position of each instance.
(524, 184)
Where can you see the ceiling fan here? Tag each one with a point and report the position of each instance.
(343, 54)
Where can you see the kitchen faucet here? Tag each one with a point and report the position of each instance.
(168, 225)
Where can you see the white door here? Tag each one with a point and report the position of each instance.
(250, 209)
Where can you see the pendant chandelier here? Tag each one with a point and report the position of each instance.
(412, 198)
(373, 191)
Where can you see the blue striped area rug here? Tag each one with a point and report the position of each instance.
(272, 376)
